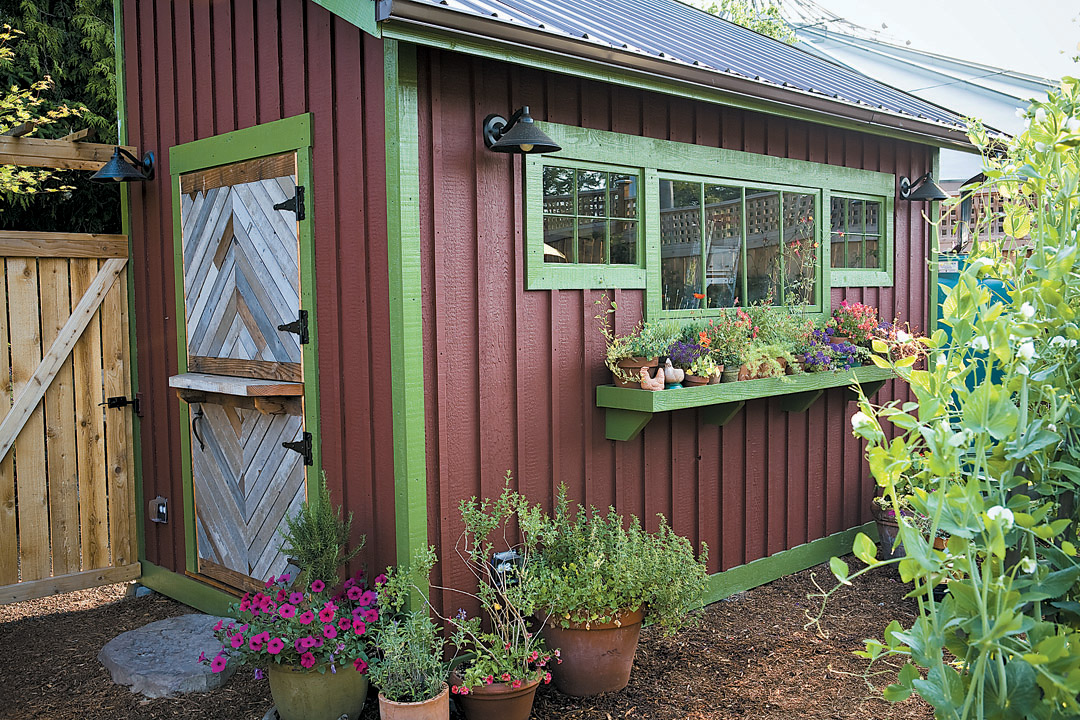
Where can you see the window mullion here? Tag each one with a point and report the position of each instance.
(701, 245)
(782, 246)
(742, 259)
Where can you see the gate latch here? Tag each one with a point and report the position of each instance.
(302, 446)
(121, 402)
(294, 204)
(297, 327)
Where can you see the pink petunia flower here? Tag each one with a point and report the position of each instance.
(275, 646)
(306, 618)
(506, 677)
(220, 624)
(296, 598)
(516, 684)
(217, 664)
(370, 616)
(463, 690)
(349, 583)
(360, 664)
(281, 595)
(307, 642)
(327, 614)
(284, 578)
(547, 678)
(271, 581)
(359, 627)
(237, 640)
(380, 580)
(454, 689)
(254, 644)
(354, 593)
(298, 645)
(370, 597)
(344, 623)
(286, 611)
(489, 679)
(329, 632)
(317, 586)
(307, 660)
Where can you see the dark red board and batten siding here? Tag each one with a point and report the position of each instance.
(196, 69)
(511, 374)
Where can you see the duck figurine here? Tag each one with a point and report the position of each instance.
(673, 376)
(651, 383)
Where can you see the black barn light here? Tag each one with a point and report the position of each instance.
(517, 135)
(923, 188)
(125, 167)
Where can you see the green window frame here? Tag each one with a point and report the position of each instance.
(843, 273)
(654, 160)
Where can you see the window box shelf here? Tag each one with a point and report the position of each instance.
(628, 411)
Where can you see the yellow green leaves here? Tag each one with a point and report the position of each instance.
(990, 409)
(1017, 221)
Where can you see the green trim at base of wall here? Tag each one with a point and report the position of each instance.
(186, 590)
(752, 574)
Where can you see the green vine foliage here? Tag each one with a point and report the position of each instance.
(996, 430)
(318, 539)
(590, 567)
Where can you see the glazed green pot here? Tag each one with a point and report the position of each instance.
(302, 694)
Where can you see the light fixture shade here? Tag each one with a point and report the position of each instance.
(924, 188)
(121, 169)
(519, 135)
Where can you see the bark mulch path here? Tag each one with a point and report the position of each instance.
(748, 658)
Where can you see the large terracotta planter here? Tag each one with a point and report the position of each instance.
(437, 708)
(302, 694)
(596, 659)
(498, 701)
(633, 366)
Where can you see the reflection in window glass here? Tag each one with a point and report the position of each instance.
(723, 244)
(800, 249)
(762, 246)
(590, 216)
(680, 244)
(855, 233)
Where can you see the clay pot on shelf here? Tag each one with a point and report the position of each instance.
(695, 381)
(633, 365)
(595, 659)
(498, 701)
(436, 708)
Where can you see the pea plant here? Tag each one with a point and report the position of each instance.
(989, 454)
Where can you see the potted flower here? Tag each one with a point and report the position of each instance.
(854, 322)
(728, 338)
(411, 672)
(625, 355)
(508, 660)
(704, 370)
(595, 579)
(683, 355)
(313, 643)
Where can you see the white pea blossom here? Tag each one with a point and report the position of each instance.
(1073, 124)
(1040, 147)
(1026, 351)
(1022, 370)
(981, 263)
(981, 342)
(1021, 113)
(1002, 515)
(940, 361)
(861, 421)
(1052, 427)
(1040, 115)
(1060, 341)
(902, 336)
(1027, 310)
(1028, 565)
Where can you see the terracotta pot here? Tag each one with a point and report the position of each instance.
(715, 379)
(745, 373)
(437, 708)
(303, 694)
(498, 701)
(632, 365)
(839, 339)
(594, 660)
(695, 381)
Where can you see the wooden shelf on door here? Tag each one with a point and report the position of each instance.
(628, 410)
(233, 385)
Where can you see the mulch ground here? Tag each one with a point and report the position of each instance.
(749, 657)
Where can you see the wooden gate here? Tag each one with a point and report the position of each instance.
(67, 496)
(244, 330)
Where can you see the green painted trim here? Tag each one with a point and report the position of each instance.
(187, 590)
(628, 410)
(868, 277)
(406, 318)
(287, 135)
(556, 62)
(269, 138)
(360, 13)
(751, 575)
(654, 160)
(935, 250)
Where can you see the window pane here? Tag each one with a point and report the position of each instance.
(873, 260)
(854, 251)
(592, 236)
(558, 239)
(837, 208)
(591, 186)
(723, 244)
(839, 253)
(624, 237)
(873, 215)
(800, 250)
(622, 201)
(680, 244)
(762, 246)
(855, 216)
(559, 190)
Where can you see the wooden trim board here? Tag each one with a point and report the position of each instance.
(262, 369)
(231, 385)
(16, 243)
(56, 154)
(69, 582)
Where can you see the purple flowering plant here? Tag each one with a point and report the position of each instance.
(312, 627)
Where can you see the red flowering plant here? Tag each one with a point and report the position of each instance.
(310, 627)
(729, 337)
(856, 321)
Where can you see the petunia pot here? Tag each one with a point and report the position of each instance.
(317, 693)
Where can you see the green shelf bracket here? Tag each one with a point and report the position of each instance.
(625, 424)
(800, 402)
(720, 415)
(869, 388)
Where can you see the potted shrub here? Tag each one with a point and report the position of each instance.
(625, 355)
(595, 579)
(854, 322)
(313, 644)
(411, 672)
(316, 539)
(764, 361)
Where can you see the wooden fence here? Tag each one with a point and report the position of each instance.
(67, 481)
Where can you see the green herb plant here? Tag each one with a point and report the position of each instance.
(990, 449)
(317, 539)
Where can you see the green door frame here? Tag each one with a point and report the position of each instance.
(280, 136)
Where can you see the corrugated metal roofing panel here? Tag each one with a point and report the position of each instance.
(678, 33)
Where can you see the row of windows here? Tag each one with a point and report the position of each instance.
(775, 231)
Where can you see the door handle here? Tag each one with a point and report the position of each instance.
(195, 418)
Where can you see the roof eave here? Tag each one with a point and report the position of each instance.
(413, 21)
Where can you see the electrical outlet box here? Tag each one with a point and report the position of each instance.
(159, 510)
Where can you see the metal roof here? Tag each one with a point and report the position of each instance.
(684, 35)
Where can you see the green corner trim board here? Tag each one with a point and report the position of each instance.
(758, 572)
(180, 587)
(360, 13)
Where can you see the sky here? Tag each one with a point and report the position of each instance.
(1038, 37)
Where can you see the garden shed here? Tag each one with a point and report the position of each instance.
(329, 257)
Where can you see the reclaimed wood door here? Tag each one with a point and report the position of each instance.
(244, 322)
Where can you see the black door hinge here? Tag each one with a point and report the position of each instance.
(302, 446)
(121, 402)
(294, 204)
(297, 327)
